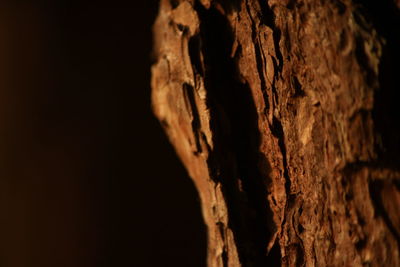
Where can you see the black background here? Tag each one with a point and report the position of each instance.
(87, 176)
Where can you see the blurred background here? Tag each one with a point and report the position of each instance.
(87, 177)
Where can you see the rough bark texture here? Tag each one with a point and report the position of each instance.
(284, 114)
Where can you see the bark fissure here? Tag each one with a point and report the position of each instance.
(188, 92)
(237, 110)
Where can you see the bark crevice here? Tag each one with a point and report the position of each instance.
(231, 105)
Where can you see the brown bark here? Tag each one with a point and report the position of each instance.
(284, 114)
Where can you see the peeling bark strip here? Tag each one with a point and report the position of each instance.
(284, 114)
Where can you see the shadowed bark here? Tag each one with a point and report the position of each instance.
(285, 116)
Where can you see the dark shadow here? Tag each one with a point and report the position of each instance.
(90, 178)
(235, 159)
(376, 189)
(385, 17)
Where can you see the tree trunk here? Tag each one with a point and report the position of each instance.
(284, 114)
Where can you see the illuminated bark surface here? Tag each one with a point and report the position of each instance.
(284, 114)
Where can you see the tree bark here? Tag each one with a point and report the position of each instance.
(284, 114)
